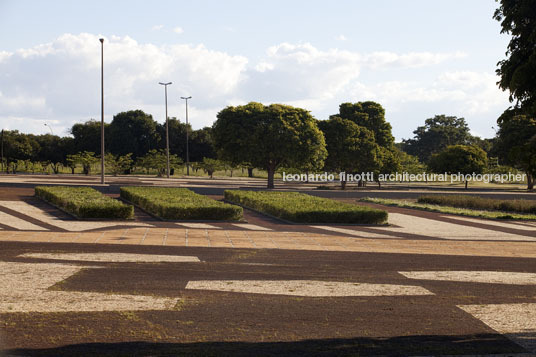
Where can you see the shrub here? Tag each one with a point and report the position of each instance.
(180, 204)
(84, 202)
(475, 202)
(302, 208)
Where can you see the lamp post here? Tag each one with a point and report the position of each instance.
(187, 153)
(51, 132)
(102, 110)
(167, 127)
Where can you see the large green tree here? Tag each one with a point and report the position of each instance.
(518, 71)
(517, 143)
(268, 137)
(87, 136)
(435, 135)
(351, 148)
(464, 159)
(132, 132)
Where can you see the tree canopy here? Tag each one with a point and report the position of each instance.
(268, 137)
(518, 71)
(435, 135)
(517, 143)
(464, 159)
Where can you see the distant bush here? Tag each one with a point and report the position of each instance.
(302, 208)
(180, 204)
(84, 202)
(475, 202)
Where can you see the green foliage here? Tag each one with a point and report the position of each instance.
(517, 143)
(518, 70)
(302, 208)
(87, 136)
(268, 137)
(210, 165)
(180, 204)
(84, 202)
(370, 115)
(459, 158)
(132, 132)
(436, 134)
(85, 158)
(118, 164)
(157, 160)
(409, 163)
(476, 202)
(450, 210)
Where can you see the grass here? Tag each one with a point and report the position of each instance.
(180, 204)
(450, 210)
(84, 202)
(476, 202)
(302, 208)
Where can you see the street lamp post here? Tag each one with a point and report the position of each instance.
(51, 132)
(167, 127)
(187, 152)
(102, 110)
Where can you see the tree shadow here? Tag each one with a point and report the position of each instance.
(388, 346)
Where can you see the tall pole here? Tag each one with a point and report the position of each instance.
(102, 110)
(187, 151)
(167, 128)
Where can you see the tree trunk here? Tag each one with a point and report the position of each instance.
(530, 182)
(466, 182)
(271, 172)
(250, 171)
(379, 185)
(343, 185)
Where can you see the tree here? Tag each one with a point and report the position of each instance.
(157, 160)
(118, 164)
(351, 148)
(370, 115)
(84, 158)
(211, 165)
(268, 137)
(462, 159)
(436, 134)
(517, 143)
(201, 144)
(518, 71)
(132, 132)
(87, 136)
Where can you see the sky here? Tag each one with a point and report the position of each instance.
(416, 58)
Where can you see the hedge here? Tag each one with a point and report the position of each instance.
(302, 208)
(475, 202)
(180, 204)
(84, 202)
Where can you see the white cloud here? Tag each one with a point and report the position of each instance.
(60, 82)
(178, 30)
(340, 38)
(157, 27)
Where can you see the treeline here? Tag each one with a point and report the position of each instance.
(278, 137)
(129, 137)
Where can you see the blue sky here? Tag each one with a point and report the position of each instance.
(416, 58)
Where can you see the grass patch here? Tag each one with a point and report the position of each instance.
(180, 204)
(302, 208)
(480, 203)
(84, 202)
(450, 210)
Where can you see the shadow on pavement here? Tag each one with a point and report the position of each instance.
(391, 346)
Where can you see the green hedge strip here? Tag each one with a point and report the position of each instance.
(84, 202)
(302, 208)
(475, 202)
(180, 204)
